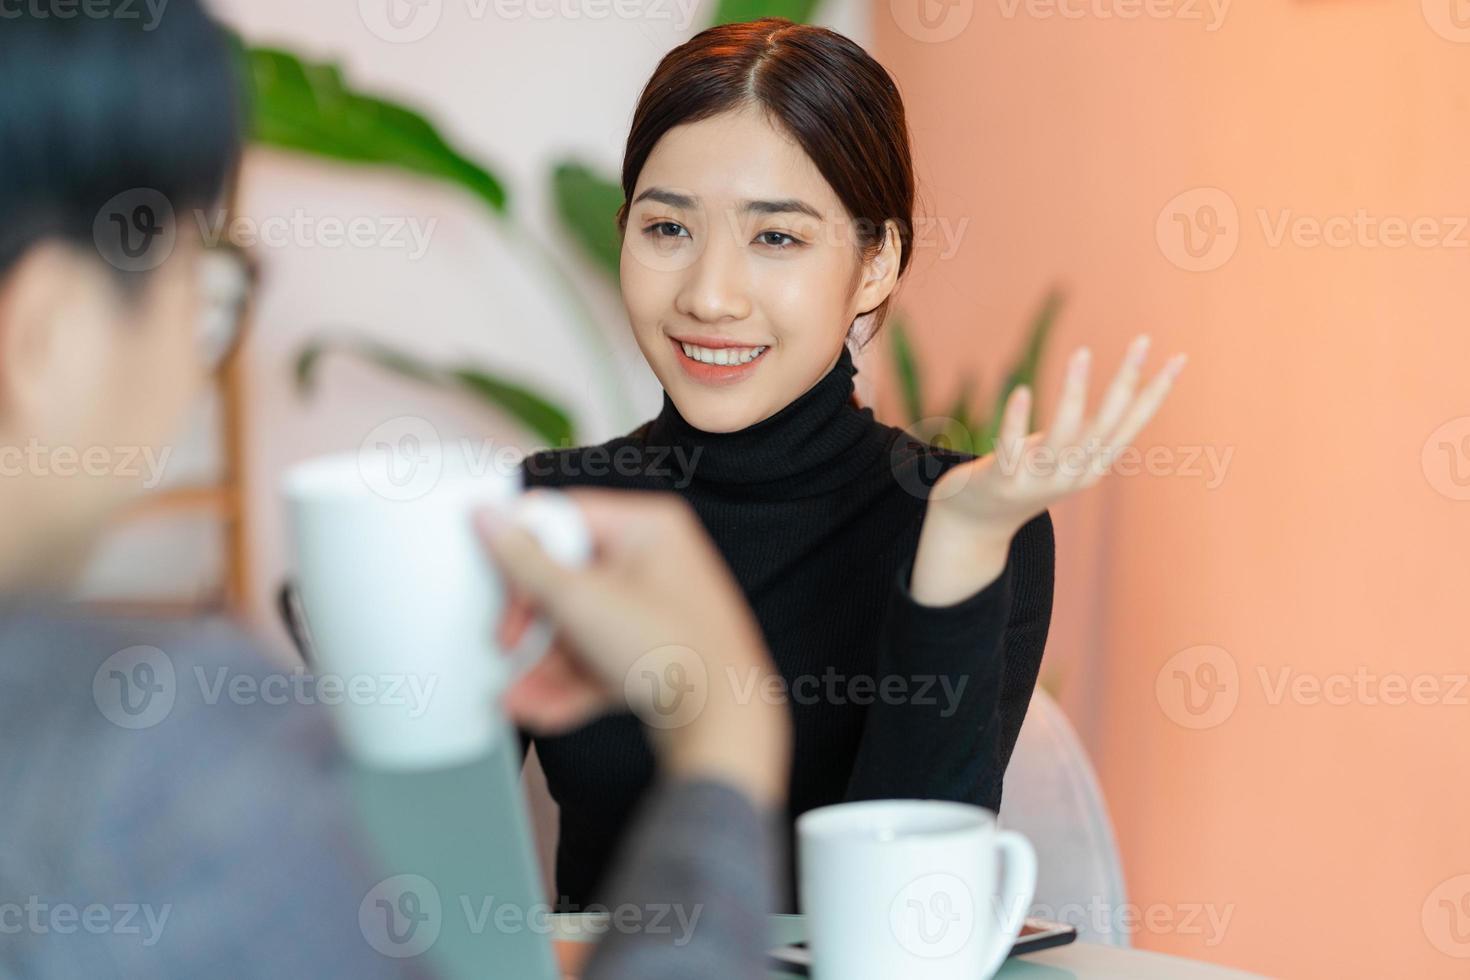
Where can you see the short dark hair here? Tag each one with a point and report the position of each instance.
(110, 98)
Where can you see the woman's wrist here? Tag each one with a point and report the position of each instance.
(956, 557)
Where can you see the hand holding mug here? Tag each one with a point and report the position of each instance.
(656, 603)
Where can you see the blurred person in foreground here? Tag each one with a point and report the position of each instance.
(147, 828)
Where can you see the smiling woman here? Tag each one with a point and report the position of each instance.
(768, 207)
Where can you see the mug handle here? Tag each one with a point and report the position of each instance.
(554, 520)
(1019, 877)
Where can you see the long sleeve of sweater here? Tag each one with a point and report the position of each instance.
(704, 857)
(958, 678)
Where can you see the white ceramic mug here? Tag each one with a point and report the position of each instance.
(402, 600)
(911, 889)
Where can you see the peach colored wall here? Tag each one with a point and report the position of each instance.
(1332, 826)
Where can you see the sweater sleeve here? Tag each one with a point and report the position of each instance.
(704, 855)
(958, 680)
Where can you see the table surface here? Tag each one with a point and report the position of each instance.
(1074, 961)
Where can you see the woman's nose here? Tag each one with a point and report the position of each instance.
(715, 286)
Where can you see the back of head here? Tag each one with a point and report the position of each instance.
(110, 98)
(115, 118)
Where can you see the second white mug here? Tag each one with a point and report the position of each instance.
(918, 889)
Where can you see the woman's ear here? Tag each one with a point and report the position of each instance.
(879, 273)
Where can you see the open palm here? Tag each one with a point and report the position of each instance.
(1028, 473)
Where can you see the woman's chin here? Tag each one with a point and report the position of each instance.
(715, 411)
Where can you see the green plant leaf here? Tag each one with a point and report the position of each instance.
(1025, 369)
(966, 437)
(587, 204)
(536, 413)
(743, 11)
(907, 368)
(306, 106)
(543, 418)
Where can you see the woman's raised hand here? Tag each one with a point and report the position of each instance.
(976, 507)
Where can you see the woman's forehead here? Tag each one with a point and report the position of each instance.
(732, 159)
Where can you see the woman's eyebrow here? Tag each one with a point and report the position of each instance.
(685, 202)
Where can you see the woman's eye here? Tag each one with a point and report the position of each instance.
(653, 230)
(790, 241)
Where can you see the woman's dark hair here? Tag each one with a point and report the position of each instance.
(842, 108)
(113, 98)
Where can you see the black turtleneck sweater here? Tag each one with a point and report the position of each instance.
(817, 510)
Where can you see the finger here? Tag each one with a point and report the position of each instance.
(519, 611)
(553, 715)
(627, 524)
(1119, 394)
(1148, 403)
(526, 566)
(1013, 425)
(555, 694)
(1074, 401)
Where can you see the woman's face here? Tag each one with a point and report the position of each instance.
(735, 242)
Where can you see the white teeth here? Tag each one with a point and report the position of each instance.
(724, 355)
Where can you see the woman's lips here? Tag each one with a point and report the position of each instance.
(715, 374)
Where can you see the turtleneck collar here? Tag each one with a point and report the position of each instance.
(816, 443)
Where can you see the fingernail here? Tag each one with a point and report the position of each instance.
(1140, 348)
(1177, 364)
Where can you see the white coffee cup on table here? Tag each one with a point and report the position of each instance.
(402, 600)
(918, 889)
